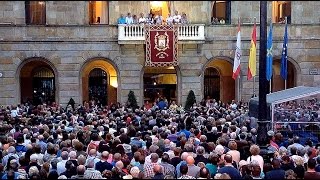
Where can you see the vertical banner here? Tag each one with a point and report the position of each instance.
(161, 45)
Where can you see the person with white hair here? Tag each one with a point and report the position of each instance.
(33, 163)
(33, 171)
(135, 172)
(184, 156)
(11, 152)
(90, 172)
(61, 165)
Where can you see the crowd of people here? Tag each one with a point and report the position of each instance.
(160, 141)
(153, 19)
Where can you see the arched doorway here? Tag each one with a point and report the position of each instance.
(217, 80)
(212, 83)
(98, 84)
(160, 82)
(99, 80)
(278, 83)
(37, 83)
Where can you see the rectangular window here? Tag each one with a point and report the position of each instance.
(98, 12)
(221, 12)
(281, 10)
(35, 12)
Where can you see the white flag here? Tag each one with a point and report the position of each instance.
(237, 55)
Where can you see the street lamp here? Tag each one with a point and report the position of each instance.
(263, 83)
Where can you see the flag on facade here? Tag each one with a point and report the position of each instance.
(284, 56)
(237, 55)
(252, 64)
(269, 55)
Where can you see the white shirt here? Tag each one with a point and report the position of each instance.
(142, 20)
(61, 166)
(14, 113)
(257, 158)
(169, 20)
(129, 20)
(176, 18)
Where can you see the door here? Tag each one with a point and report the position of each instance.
(98, 83)
(212, 83)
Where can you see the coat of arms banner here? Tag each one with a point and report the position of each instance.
(161, 45)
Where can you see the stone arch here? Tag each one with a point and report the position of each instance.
(41, 61)
(292, 81)
(112, 71)
(178, 87)
(218, 62)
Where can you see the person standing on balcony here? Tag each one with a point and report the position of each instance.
(129, 19)
(142, 19)
(135, 19)
(158, 19)
(176, 18)
(169, 20)
(122, 19)
(184, 19)
(149, 19)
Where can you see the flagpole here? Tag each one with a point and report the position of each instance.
(270, 84)
(285, 81)
(239, 95)
(254, 77)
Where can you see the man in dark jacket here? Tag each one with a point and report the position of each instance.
(276, 172)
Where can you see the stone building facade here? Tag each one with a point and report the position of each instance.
(70, 47)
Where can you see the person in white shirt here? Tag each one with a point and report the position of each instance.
(129, 19)
(142, 19)
(255, 151)
(169, 19)
(176, 17)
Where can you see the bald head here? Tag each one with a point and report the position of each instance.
(93, 152)
(81, 169)
(119, 165)
(105, 155)
(190, 160)
(184, 156)
(157, 168)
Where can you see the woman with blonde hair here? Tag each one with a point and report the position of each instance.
(255, 151)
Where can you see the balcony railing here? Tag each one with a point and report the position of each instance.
(191, 32)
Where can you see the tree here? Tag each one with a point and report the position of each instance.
(191, 99)
(132, 100)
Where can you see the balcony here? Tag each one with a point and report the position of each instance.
(134, 34)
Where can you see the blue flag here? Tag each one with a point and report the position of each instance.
(269, 55)
(284, 56)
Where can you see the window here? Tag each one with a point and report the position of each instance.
(280, 10)
(221, 12)
(98, 12)
(35, 12)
